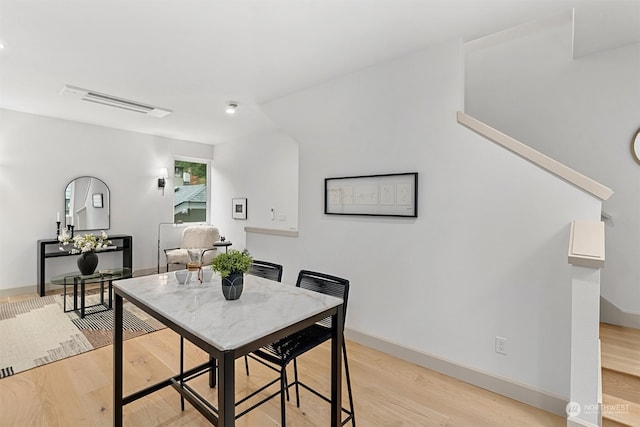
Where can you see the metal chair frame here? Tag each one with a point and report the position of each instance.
(278, 361)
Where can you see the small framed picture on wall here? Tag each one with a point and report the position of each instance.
(239, 208)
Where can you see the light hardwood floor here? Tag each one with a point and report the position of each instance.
(620, 375)
(77, 391)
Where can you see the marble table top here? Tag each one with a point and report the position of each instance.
(264, 307)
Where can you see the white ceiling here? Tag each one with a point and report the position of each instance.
(192, 56)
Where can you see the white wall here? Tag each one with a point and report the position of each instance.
(485, 257)
(39, 156)
(581, 112)
(263, 169)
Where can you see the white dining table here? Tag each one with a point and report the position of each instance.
(266, 312)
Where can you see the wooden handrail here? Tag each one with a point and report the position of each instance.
(547, 163)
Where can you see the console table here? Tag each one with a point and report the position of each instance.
(49, 248)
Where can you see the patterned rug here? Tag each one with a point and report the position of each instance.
(36, 332)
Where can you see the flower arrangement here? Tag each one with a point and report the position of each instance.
(233, 261)
(85, 243)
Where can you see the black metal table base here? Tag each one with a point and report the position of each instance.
(209, 411)
(287, 386)
(224, 415)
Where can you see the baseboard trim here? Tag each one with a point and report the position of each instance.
(23, 290)
(146, 272)
(504, 386)
(577, 422)
(610, 313)
(12, 292)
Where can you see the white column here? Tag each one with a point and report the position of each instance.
(586, 254)
(585, 347)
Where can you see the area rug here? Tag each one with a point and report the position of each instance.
(35, 332)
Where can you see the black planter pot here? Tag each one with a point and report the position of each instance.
(232, 286)
(87, 263)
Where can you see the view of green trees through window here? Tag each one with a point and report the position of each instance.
(190, 191)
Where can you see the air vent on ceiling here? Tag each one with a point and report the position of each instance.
(114, 101)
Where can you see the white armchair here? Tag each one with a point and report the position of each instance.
(195, 237)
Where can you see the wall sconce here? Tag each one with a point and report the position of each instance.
(162, 181)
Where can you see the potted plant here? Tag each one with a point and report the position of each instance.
(232, 265)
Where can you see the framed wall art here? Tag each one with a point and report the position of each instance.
(373, 195)
(239, 208)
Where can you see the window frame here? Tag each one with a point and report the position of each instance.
(206, 162)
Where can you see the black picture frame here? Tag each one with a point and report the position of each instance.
(391, 195)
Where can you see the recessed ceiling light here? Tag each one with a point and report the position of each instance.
(231, 107)
(1, 45)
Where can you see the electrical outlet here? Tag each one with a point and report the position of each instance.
(501, 345)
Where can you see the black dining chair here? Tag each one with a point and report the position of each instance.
(267, 270)
(278, 355)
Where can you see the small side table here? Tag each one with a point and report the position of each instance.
(226, 245)
(79, 281)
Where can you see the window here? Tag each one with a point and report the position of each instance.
(190, 197)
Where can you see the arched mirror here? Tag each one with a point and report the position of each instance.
(86, 204)
(635, 146)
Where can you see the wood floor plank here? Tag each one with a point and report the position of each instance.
(621, 385)
(388, 391)
(620, 375)
(620, 410)
(611, 423)
(620, 348)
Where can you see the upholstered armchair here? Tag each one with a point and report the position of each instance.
(195, 237)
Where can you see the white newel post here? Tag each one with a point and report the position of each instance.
(586, 255)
